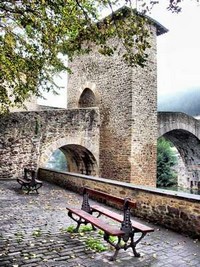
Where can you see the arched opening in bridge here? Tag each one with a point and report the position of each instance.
(78, 159)
(87, 99)
(188, 167)
(57, 161)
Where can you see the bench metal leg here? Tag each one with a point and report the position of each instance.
(36, 190)
(77, 227)
(136, 254)
(114, 257)
(129, 243)
(28, 191)
(117, 246)
(32, 188)
(37, 187)
(94, 228)
(78, 221)
(134, 243)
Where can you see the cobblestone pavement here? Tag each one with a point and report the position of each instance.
(32, 233)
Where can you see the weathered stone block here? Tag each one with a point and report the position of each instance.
(173, 211)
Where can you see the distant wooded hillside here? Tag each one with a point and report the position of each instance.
(187, 101)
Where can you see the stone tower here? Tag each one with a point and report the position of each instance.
(127, 101)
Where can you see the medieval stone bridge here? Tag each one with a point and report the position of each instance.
(110, 126)
(29, 138)
(184, 132)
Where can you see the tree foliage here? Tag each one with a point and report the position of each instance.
(33, 35)
(166, 159)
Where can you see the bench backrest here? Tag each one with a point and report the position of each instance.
(105, 196)
(126, 224)
(30, 175)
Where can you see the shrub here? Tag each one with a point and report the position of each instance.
(166, 159)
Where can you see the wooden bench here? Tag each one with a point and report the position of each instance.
(29, 181)
(125, 232)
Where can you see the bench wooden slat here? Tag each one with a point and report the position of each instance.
(23, 181)
(115, 216)
(105, 196)
(97, 222)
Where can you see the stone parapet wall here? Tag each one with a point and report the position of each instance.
(174, 210)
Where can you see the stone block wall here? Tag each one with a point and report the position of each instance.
(27, 139)
(107, 82)
(174, 210)
(144, 121)
(126, 98)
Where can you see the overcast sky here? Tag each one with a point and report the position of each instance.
(179, 49)
(178, 52)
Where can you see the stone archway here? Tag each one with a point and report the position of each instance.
(88, 96)
(80, 159)
(87, 99)
(188, 146)
(184, 132)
